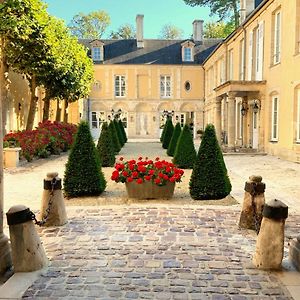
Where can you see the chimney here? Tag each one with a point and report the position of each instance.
(198, 30)
(140, 31)
(247, 6)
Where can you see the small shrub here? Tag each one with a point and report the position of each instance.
(83, 174)
(168, 133)
(163, 132)
(185, 153)
(115, 139)
(174, 140)
(119, 132)
(123, 131)
(209, 179)
(105, 147)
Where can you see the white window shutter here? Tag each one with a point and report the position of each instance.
(250, 55)
(259, 73)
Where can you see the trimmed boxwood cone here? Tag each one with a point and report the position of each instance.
(174, 140)
(105, 147)
(116, 142)
(83, 175)
(163, 132)
(119, 133)
(209, 179)
(168, 133)
(185, 153)
(123, 131)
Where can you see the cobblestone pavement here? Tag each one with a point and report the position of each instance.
(133, 252)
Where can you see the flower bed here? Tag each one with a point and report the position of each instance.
(143, 170)
(48, 138)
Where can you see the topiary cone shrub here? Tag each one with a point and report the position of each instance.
(168, 133)
(209, 179)
(163, 131)
(123, 131)
(185, 153)
(105, 147)
(174, 140)
(83, 175)
(119, 133)
(115, 139)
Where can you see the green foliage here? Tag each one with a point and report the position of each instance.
(123, 131)
(170, 32)
(83, 175)
(222, 8)
(185, 153)
(119, 133)
(174, 140)
(90, 26)
(105, 147)
(163, 133)
(124, 32)
(168, 133)
(209, 178)
(116, 142)
(218, 29)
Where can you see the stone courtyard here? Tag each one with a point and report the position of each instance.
(177, 249)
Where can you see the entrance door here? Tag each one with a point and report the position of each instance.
(254, 130)
(142, 124)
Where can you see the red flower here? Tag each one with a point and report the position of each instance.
(125, 173)
(157, 158)
(148, 177)
(139, 181)
(161, 175)
(142, 169)
(168, 169)
(151, 172)
(157, 180)
(129, 179)
(140, 158)
(172, 179)
(135, 174)
(121, 158)
(131, 167)
(166, 177)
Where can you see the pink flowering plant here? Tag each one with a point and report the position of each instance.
(159, 171)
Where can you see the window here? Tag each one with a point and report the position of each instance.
(230, 64)
(120, 86)
(187, 86)
(222, 71)
(259, 51)
(298, 117)
(242, 59)
(94, 120)
(277, 37)
(187, 54)
(274, 131)
(165, 86)
(96, 53)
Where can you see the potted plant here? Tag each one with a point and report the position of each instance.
(147, 179)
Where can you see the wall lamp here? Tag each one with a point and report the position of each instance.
(255, 107)
(244, 108)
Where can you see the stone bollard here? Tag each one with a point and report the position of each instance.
(28, 254)
(294, 252)
(53, 211)
(270, 241)
(254, 201)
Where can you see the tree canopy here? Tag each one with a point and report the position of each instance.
(218, 29)
(125, 31)
(90, 26)
(224, 9)
(170, 32)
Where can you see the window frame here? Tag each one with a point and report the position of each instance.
(165, 86)
(96, 56)
(275, 120)
(230, 64)
(185, 56)
(277, 38)
(120, 86)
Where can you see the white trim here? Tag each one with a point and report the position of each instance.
(163, 88)
(274, 134)
(277, 38)
(122, 79)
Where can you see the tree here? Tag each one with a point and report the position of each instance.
(83, 175)
(174, 140)
(170, 32)
(222, 8)
(168, 133)
(209, 179)
(124, 32)
(185, 154)
(116, 142)
(218, 30)
(105, 147)
(90, 26)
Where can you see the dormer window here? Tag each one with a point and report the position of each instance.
(97, 50)
(96, 53)
(187, 51)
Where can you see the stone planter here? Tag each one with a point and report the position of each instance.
(11, 157)
(149, 190)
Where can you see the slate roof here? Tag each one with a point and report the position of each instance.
(154, 51)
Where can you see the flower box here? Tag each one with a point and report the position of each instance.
(150, 190)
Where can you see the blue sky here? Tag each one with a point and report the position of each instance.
(156, 13)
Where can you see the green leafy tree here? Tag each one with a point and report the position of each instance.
(185, 153)
(209, 179)
(170, 32)
(168, 133)
(218, 30)
(124, 32)
(174, 140)
(119, 132)
(105, 147)
(83, 175)
(222, 8)
(90, 26)
(123, 131)
(116, 142)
